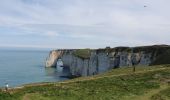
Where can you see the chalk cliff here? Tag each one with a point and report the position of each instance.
(85, 62)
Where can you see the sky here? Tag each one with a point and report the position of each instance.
(84, 23)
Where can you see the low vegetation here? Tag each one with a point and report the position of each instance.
(162, 95)
(82, 53)
(147, 83)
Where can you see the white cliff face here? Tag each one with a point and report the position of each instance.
(52, 59)
(77, 66)
(145, 59)
(103, 62)
(98, 62)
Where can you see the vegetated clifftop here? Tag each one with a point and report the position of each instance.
(85, 62)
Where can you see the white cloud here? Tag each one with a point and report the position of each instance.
(116, 22)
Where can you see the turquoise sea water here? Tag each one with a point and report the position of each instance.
(20, 66)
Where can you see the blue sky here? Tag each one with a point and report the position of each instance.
(83, 23)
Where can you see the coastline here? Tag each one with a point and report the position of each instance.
(141, 70)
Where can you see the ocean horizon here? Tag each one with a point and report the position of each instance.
(19, 66)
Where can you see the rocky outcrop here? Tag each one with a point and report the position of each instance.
(85, 62)
(53, 57)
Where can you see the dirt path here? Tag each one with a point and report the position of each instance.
(145, 96)
(149, 94)
(26, 97)
(81, 79)
(34, 96)
(85, 79)
(99, 77)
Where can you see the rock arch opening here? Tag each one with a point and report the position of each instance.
(59, 66)
(62, 69)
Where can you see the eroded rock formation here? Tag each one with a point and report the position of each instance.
(85, 62)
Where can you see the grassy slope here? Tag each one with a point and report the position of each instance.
(147, 83)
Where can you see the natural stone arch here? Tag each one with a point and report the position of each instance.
(59, 64)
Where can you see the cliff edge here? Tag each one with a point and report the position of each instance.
(85, 62)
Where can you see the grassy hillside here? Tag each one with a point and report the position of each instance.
(147, 83)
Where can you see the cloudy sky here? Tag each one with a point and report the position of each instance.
(83, 23)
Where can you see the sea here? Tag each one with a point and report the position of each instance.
(19, 66)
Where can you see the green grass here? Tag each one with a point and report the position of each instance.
(82, 53)
(117, 84)
(162, 95)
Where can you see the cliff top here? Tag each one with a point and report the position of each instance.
(122, 48)
(85, 53)
(82, 53)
